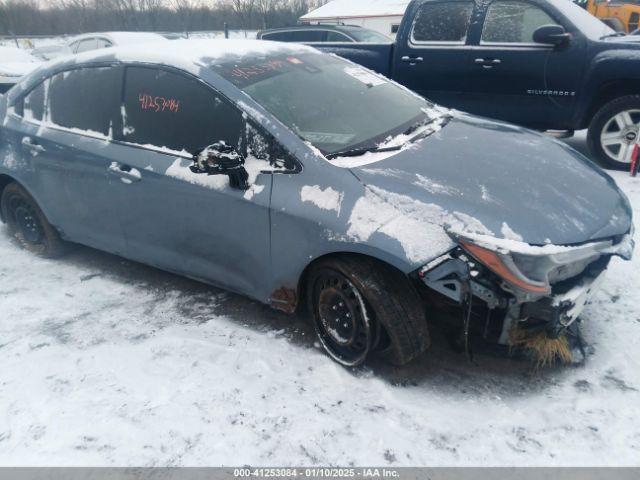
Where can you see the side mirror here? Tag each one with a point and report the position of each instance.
(551, 35)
(223, 159)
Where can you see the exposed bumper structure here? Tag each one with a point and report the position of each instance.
(535, 288)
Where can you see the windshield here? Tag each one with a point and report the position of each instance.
(369, 36)
(589, 25)
(333, 104)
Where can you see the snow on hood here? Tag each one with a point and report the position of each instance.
(481, 177)
(624, 39)
(16, 62)
(17, 69)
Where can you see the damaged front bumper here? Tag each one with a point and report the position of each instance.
(532, 288)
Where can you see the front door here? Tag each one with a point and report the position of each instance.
(434, 60)
(517, 80)
(190, 223)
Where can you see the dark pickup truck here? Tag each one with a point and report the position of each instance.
(544, 64)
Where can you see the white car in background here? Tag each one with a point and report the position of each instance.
(14, 64)
(95, 41)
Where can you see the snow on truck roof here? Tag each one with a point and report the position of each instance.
(194, 53)
(358, 9)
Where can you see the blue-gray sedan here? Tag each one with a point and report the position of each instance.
(301, 179)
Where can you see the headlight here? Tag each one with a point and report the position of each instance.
(502, 264)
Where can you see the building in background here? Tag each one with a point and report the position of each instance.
(383, 16)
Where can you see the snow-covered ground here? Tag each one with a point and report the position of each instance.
(107, 362)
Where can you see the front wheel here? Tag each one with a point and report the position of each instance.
(614, 131)
(361, 307)
(28, 224)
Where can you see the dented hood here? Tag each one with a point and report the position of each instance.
(505, 181)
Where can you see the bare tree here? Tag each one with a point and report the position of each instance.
(55, 17)
(266, 9)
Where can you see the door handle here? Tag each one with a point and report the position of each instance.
(125, 172)
(31, 145)
(487, 62)
(412, 60)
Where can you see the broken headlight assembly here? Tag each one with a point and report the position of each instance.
(545, 286)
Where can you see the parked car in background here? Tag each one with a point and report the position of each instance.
(303, 180)
(14, 64)
(324, 33)
(96, 41)
(544, 64)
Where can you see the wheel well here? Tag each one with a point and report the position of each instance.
(4, 181)
(302, 282)
(607, 92)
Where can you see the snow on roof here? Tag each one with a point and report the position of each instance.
(357, 9)
(122, 38)
(191, 53)
(134, 37)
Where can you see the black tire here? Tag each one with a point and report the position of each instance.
(609, 120)
(28, 224)
(381, 311)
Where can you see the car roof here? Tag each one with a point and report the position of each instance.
(122, 38)
(190, 54)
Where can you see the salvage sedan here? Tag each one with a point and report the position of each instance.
(304, 181)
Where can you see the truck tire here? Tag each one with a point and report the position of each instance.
(362, 307)
(614, 130)
(28, 224)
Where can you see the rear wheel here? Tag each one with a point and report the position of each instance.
(360, 307)
(614, 131)
(28, 224)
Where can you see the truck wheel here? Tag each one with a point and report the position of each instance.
(28, 224)
(614, 131)
(360, 307)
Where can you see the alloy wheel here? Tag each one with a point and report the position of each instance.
(619, 135)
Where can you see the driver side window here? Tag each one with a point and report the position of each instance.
(513, 21)
(167, 109)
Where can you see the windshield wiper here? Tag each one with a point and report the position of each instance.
(356, 152)
(445, 117)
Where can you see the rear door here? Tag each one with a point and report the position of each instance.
(82, 115)
(173, 218)
(25, 140)
(515, 79)
(433, 60)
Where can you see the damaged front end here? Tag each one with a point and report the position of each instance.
(519, 295)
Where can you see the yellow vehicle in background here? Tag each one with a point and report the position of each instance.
(621, 15)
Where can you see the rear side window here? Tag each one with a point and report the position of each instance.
(277, 36)
(307, 36)
(337, 37)
(442, 22)
(86, 45)
(103, 43)
(513, 22)
(33, 106)
(167, 109)
(86, 99)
